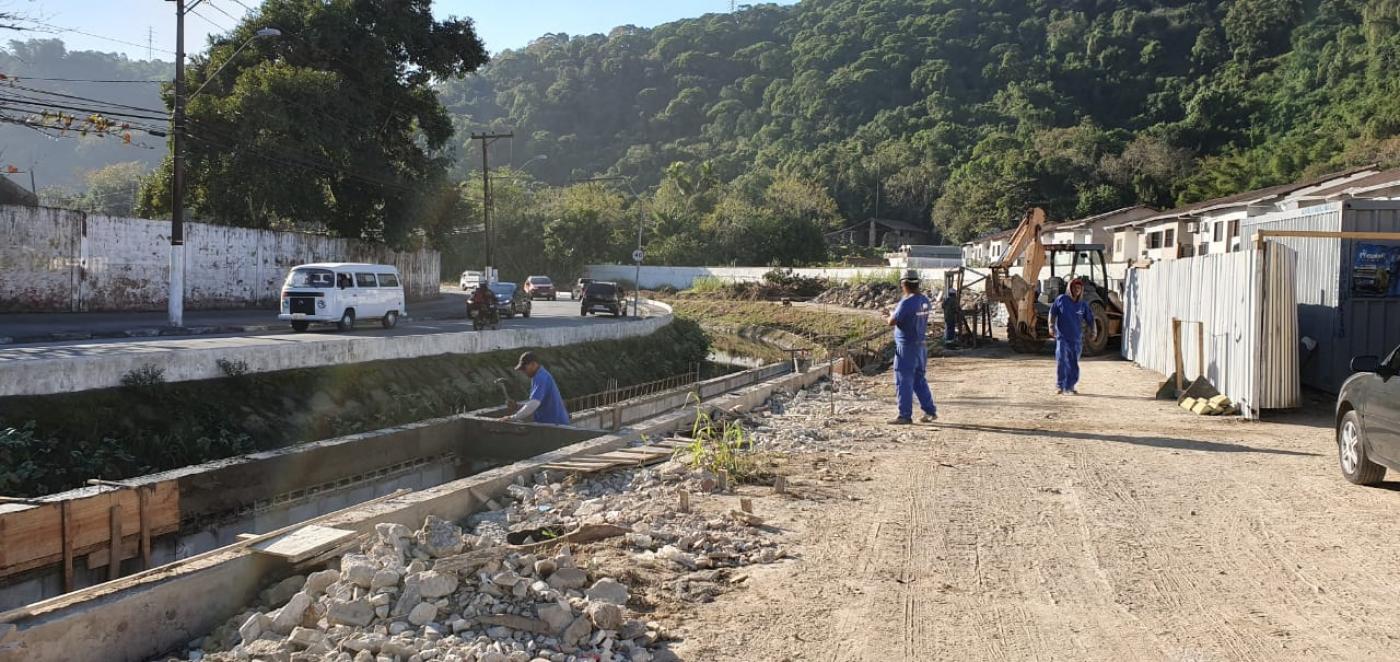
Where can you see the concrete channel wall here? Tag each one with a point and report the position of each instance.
(43, 371)
(145, 615)
(60, 260)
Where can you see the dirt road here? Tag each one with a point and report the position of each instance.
(1108, 526)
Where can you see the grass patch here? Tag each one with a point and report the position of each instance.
(720, 447)
(808, 321)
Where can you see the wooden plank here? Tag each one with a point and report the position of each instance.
(1176, 352)
(582, 468)
(144, 497)
(114, 568)
(65, 510)
(303, 543)
(34, 535)
(85, 594)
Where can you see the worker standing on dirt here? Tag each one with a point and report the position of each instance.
(545, 404)
(951, 308)
(910, 322)
(1065, 316)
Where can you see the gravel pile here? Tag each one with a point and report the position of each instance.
(870, 296)
(504, 590)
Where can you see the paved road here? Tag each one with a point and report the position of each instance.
(544, 314)
(27, 328)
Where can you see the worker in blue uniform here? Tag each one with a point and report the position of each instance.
(910, 322)
(545, 405)
(1066, 315)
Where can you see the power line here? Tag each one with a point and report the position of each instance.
(244, 5)
(206, 19)
(4, 78)
(42, 106)
(85, 99)
(60, 29)
(210, 4)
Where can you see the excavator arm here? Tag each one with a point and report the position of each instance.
(1018, 292)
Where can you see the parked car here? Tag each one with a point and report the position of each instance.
(578, 287)
(1368, 419)
(511, 300)
(470, 279)
(342, 293)
(599, 295)
(540, 287)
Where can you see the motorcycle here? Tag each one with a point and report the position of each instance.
(484, 317)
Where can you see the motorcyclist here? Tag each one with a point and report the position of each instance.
(482, 300)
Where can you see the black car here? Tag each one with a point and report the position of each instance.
(602, 296)
(1368, 419)
(511, 300)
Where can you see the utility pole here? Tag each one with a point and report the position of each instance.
(486, 140)
(175, 306)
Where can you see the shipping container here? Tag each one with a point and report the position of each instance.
(1348, 289)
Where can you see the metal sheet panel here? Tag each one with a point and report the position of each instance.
(1239, 322)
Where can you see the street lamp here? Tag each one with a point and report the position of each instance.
(639, 254)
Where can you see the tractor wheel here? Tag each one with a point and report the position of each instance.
(1099, 343)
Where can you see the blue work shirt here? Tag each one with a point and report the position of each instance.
(911, 319)
(551, 409)
(1067, 314)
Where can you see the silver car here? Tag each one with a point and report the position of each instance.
(1368, 419)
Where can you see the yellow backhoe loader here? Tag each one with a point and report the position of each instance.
(1027, 298)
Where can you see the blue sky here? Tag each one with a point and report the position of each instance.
(122, 25)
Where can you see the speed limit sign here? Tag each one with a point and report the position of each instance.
(637, 255)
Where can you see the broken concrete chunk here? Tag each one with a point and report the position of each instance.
(605, 616)
(607, 590)
(358, 570)
(433, 584)
(423, 614)
(383, 579)
(439, 537)
(557, 616)
(254, 627)
(318, 582)
(305, 637)
(544, 568)
(577, 632)
(351, 612)
(565, 579)
(290, 615)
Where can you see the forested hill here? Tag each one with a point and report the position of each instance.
(963, 111)
(45, 64)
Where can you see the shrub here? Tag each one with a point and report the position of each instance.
(232, 368)
(720, 447)
(146, 375)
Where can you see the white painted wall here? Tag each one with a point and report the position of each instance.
(59, 260)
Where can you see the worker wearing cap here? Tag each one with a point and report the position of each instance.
(545, 405)
(951, 309)
(910, 322)
(1065, 316)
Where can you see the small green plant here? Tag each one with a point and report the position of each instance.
(232, 368)
(874, 277)
(146, 375)
(719, 447)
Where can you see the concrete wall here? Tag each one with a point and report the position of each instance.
(58, 260)
(41, 371)
(682, 277)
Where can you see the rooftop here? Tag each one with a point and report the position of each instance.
(1244, 199)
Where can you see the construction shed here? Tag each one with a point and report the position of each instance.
(1348, 281)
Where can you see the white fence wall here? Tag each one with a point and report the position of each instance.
(59, 260)
(1247, 304)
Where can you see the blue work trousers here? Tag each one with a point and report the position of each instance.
(910, 361)
(1067, 354)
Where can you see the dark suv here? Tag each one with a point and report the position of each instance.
(602, 296)
(1368, 419)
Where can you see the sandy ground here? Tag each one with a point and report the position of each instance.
(1030, 526)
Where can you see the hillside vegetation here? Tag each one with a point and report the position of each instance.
(960, 112)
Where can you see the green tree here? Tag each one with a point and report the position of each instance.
(332, 125)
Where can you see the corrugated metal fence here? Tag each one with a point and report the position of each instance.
(1239, 319)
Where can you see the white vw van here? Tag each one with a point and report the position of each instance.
(342, 293)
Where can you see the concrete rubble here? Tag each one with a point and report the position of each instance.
(500, 590)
